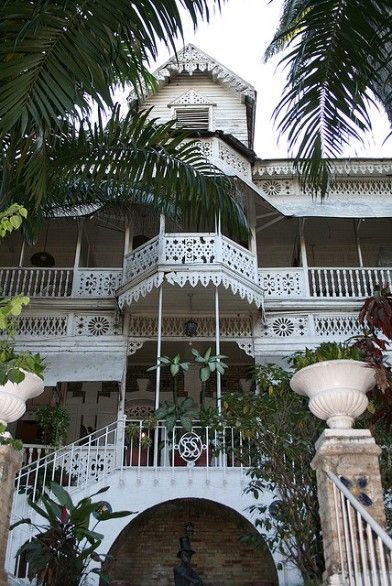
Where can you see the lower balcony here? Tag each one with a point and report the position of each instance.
(98, 455)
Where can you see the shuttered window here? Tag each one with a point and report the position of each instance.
(192, 118)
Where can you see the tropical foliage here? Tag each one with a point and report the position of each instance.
(54, 423)
(208, 365)
(60, 551)
(58, 60)
(338, 61)
(281, 433)
(12, 363)
(376, 312)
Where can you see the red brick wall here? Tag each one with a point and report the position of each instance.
(145, 552)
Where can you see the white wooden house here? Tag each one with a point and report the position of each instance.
(120, 293)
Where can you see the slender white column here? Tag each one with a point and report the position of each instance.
(358, 242)
(303, 255)
(159, 344)
(162, 225)
(217, 351)
(252, 223)
(75, 280)
(78, 244)
(22, 249)
(122, 389)
(127, 234)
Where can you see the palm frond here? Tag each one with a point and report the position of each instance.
(290, 15)
(336, 49)
(55, 56)
(129, 160)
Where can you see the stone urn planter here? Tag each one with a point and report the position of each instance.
(13, 396)
(336, 390)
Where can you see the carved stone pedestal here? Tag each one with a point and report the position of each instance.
(10, 462)
(353, 455)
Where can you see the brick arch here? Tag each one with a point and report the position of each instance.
(144, 553)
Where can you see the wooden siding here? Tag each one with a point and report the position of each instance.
(229, 114)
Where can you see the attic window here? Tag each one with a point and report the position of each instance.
(193, 118)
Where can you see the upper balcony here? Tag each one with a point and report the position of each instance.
(187, 260)
(326, 283)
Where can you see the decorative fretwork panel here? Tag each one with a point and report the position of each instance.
(206, 147)
(142, 259)
(89, 464)
(189, 249)
(42, 325)
(239, 260)
(341, 325)
(285, 283)
(97, 282)
(191, 98)
(238, 163)
(344, 168)
(139, 410)
(310, 328)
(173, 326)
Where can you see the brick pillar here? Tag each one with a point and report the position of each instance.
(351, 453)
(10, 462)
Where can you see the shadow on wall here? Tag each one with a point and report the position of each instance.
(145, 552)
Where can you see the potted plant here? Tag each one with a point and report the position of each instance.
(21, 378)
(138, 444)
(61, 551)
(336, 379)
(54, 423)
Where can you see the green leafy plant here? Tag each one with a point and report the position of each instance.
(280, 433)
(11, 219)
(7, 440)
(323, 352)
(12, 364)
(60, 552)
(135, 436)
(54, 423)
(209, 364)
(175, 365)
(185, 412)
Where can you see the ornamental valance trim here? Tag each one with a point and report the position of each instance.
(253, 295)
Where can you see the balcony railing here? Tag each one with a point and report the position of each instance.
(197, 251)
(59, 282)
(89, 459)
(323, 282)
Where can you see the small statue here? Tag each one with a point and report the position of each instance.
(184, 574)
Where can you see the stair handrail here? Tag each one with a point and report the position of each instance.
(378, 530)
(365, 548)
(60, 461)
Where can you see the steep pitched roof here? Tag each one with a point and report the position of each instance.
(191, 59)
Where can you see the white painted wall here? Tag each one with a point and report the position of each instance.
(229, 113)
